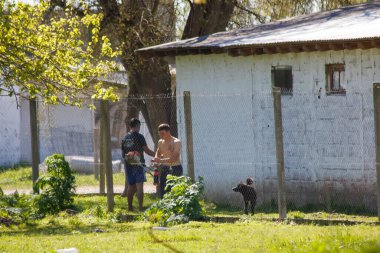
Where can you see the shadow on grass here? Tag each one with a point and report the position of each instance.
(88, 221)
(272, 208)
(84, 202)
(36, 230)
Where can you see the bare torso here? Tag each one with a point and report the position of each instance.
(170, 150)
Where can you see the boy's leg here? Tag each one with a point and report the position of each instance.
(162, 185)
(140, 194)
(177, 170)
(130, 192)
(125, 192)
(130, 172)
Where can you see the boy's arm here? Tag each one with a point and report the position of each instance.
(148, 151)
(122, 149)
(158, 152)
(144, 145)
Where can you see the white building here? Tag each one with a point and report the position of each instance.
(62, 129)
(328, 62)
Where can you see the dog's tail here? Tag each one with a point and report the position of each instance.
(250, 181)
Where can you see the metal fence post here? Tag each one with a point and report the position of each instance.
(189, 134)
(376, 104)
(279, 152)
(34, 141)
(107, 152)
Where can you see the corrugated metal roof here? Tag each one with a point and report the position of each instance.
(350, 23)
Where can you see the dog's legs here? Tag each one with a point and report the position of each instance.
(253, 207)
(246, 207)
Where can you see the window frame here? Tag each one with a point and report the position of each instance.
(284, 91)
(330, 69)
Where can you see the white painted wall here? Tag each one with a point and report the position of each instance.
(327, 141)
(66, 130)
(63, 129)
(9, 131)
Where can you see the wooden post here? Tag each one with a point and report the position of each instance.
(34, 142)
(328, 202)
(279, 152)
(96, 153)
(189, 134)
(102, 177)
(376, 104)
(107, 155)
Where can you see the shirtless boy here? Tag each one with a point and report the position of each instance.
(168, 154)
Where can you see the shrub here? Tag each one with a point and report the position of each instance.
(57, 186)
(180, 204)
(16, 208)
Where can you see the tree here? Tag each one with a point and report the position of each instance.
(60, 58)
(208, 17)
(133, 24)
(252, 12)
(139, 23)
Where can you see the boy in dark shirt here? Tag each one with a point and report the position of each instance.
(133, 147)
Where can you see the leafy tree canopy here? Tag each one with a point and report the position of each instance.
(59, 56)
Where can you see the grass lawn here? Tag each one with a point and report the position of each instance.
(95, 230)
(20, 178)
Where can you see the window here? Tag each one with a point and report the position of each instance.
(335, 79)
(282, 77)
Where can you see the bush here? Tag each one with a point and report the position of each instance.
(16, 208)
(180, 204)
(57, 186)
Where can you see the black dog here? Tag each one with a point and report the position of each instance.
(249, 194)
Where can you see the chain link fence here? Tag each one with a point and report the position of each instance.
(328, 142)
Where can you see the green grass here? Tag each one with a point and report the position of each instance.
(87, 202)
(266, 212)
(63, 232)
(20, 178)
(246, 235)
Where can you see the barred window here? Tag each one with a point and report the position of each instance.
(335, 79)
(282, 77)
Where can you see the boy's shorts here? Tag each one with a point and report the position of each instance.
(135, 174)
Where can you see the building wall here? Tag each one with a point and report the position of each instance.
(62, 129)
(329, 142)
(66, 130)
(9, 131)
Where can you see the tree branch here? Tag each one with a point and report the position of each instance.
(260, 18)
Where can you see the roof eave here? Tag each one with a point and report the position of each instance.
(268, 48)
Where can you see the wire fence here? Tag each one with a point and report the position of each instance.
(328, 141)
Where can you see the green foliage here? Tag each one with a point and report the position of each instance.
(55, 54)
(57, 185)
(16, 208)
(181, 204)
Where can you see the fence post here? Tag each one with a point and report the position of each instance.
(189, 134)
(107, 150)
(276, 91)
(96, 153)
(102, 177)
(34, 141)
(376, 104)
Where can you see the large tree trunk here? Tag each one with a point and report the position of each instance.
(205, 19)
(153, 80)
(138, 23)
